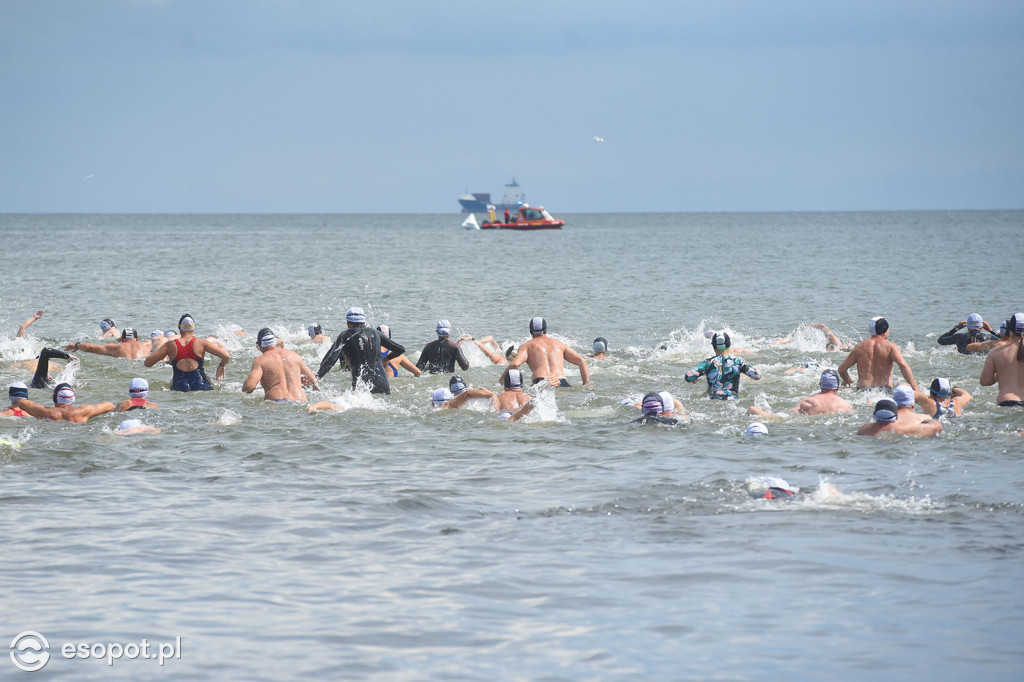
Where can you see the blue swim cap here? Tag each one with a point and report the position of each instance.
(886, 411)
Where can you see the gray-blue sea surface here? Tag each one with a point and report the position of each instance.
(395, 541)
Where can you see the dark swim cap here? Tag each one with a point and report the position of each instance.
(600, 345)
(886, 411)
(510, 352)
(265, 338)
(538, 325)
(129, 331)
(106, 323)
(457, 385)
(721, 341)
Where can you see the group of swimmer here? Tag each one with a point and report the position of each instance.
(371, 356)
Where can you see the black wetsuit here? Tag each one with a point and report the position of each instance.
(361, 348)
(439, 357)
(39, 379)
(962, 338)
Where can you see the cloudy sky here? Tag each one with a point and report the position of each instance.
(400, 106)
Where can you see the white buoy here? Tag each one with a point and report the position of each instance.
(470, 223)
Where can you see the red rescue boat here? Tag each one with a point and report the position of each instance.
(527, 218)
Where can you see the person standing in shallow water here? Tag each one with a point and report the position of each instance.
(186, 355)
(874, 358)
(723, 370)
(360, 345)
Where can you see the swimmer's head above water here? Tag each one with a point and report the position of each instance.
(444, 328)
(186, 323)
(974, 322)
(513, 379)
(440, 396)
(17, 391)
(106, 324)
(385, 330)
(829, 380)
(129, 333)
(652, 404)
(266, 338)
(315, 329)
(138, 388)
(940, 388)
(355, 316)
(878, 326)
(756, 429)
(886, 411)
(511, 352)
(721, 342)
(600, 345)
(457, 385)
(538, 326)
(63, 394)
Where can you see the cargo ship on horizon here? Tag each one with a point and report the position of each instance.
(477, 202)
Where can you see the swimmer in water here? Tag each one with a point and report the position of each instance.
(905, 398)
(492, 350)
(978, 331)
(887, 421)
(64, 408)
(943, 400)
(600, 347)
(361, 346)
(28, 323)
(316, 334)
(187, 355)
(653, 409)
(108, 328)
(138, 394)
(832, 342)
(1005, 365)
(825, 402)
(17, 392)
(393, 364)
(442, 398)
(547, 357)
(128, 346)
(874, 358)
(440, 356)
(135, 427)
(42, 378)
(983, 347)
(723, 370)
(513, 397)
(281, 373)
(669, 405)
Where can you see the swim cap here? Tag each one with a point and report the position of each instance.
(441, 395)
(886, 411)
(129, 331)
(1002, 328)
(903, 395)
(1015, 325)
(356, 316)
(314, 329)
(721, 341)
(385, 330)
(155, 333)
(129, 424)
(940, 387)
(186, 323)
(538, 325)
(757, 429)
(505, 415)
(236, 328)
(170, 332)
(511, 352)
(444, 327)
(600, 345)
(138, 388)
(974, 321)
(514, 379)
(829, 380)
(266, 338)
(667, 403)
(17, 391)
(877, 325)
(709, 333)
(780, 483)
(651, 404)
(457, 385)
(63, 394)
(106, 323)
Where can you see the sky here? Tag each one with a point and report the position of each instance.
(401, 106)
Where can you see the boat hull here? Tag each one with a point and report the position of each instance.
(532, 225)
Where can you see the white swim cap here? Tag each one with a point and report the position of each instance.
(138, 388)
(129, 424)
(974, 321)
(538, 325)
(777, 482)
(941, 387)
(155, 333)
(17, 391)
(356, 316)
(64, 395)
(829, 380)
(186, 323)
(757, 429)
(514, 379)
(266, 338)
(444, 327)
(878, 325)
(903, 395)
(441, 395)
(709, 333)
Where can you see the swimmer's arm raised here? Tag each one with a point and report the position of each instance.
(109, 349)
(95, 410)
(28, 323)
(33, 408)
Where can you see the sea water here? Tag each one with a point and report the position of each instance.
(393, 541)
